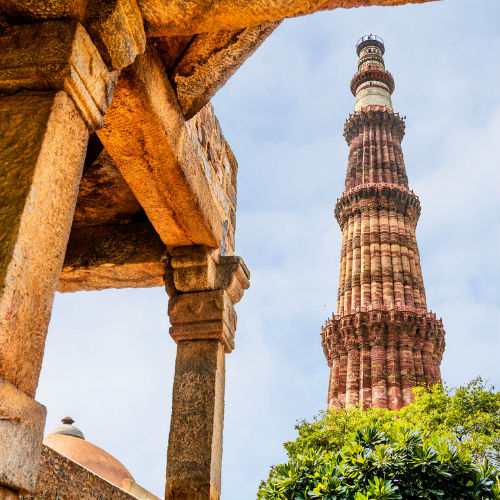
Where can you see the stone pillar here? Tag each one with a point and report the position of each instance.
(352, 386)
(342, 389)
(365, 390)
(356, 263)
(375, 259)
(54, 88)
(407, 368)
(365, 259)
(204, 288)
(333, 391)
(378, 372)
(348, 269)
(395, 398)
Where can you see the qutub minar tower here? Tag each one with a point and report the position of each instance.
(383, 341)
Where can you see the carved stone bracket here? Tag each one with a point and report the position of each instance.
(203, 316)
(204, 287)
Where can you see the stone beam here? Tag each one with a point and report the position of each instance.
(146, 135)
(113, 256)
(186, 17)
(210, 60)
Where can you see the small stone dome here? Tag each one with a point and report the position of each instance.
(67, 428)
(68, 440)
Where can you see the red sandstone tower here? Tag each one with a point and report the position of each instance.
(383, 341)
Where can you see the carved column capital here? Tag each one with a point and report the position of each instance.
(204, 288)
(57, 55)
(191, 269)
(199, 268)
(203, 316)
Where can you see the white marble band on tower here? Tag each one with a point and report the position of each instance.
(372, 84)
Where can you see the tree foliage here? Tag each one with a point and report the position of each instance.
(470, 415)
(436, 448)
(400, 465)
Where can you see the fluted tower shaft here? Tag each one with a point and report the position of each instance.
(383, 341)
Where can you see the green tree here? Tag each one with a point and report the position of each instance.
(403, 464)
(469, 415)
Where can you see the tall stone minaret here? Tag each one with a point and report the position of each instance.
(382, 342)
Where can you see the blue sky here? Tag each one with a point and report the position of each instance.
(109, 359)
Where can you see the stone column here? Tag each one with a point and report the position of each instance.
(348, 268)
(54, 88)
(352, 386)
(375, 259)
(342, 371)
(365, 390)
(204, 288)
(365, 277)
(378, 372)
(356, 263)
(407, 367)
(333, 391)
(394, 395)
(430, 365)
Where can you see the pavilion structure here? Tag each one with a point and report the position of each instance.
(114, 172)
(383, 341)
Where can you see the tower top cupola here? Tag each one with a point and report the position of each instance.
(373, 42)
(372, 85)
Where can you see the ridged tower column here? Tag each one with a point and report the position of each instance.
(382, 342)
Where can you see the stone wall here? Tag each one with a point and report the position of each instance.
(220, 168)
(63, 479)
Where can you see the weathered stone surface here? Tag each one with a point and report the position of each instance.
(104, 196)
(113, 256)
(145, 134)
(115, 26)
(56, 55)
(194, 268)
(171, 48)
(210, 60)
(44, 9)
(195, 443)
(220, 169)
(117, 30)
(198, 268)
(183, 17)
(61, 478)
(40, 169)
(21, 430)
(393, 342)
(232, 276)
(203, 315)
(204, 288)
